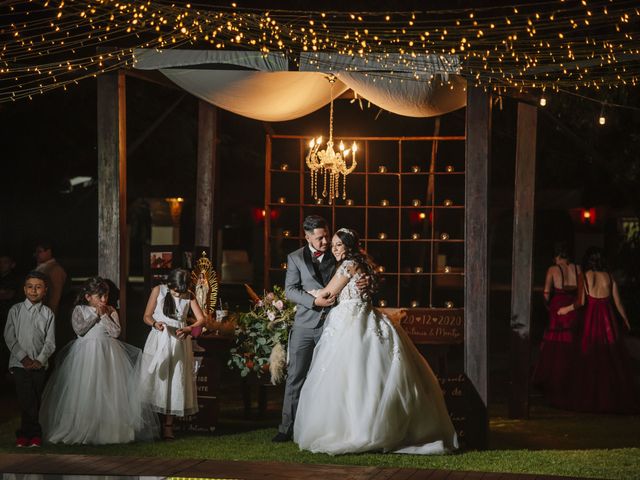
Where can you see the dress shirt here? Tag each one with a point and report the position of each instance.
(30, 332)
(313, 257)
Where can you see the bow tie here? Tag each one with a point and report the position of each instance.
(317, 254)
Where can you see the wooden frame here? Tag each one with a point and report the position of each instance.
(112, 208)
(302, 202)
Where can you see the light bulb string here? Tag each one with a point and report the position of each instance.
(601, 102)
(506, 48)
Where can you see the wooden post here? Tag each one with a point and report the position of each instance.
(112, 184)
(267, 208)
(476, 261)
(522, 262)
(207, 138)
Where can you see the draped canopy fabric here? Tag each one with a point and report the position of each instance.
(262, 87)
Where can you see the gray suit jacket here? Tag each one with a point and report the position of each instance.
(302, 277)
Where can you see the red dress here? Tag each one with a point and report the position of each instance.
(557, 350)
(603, 380)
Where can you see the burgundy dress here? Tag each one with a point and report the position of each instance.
(557, 350)
(603, 380)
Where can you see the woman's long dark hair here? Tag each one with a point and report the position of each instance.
(594, 260)
(178, 280)
(561, 249)
(92, 286)
(351, 240)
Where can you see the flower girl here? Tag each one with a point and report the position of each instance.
(93, 396)
(168, 376)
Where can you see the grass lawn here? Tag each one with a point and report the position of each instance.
(551, 442)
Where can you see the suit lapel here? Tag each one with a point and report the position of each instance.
(312, 267)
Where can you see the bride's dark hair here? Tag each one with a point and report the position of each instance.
(353, 251)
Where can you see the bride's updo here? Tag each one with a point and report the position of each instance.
(353, 251)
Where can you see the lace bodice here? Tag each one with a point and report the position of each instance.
(87, 323)
(350, 292)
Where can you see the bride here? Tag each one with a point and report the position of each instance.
(368, 388)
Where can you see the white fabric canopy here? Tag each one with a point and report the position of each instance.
(157, 59)
(267, 96)
(420, 86)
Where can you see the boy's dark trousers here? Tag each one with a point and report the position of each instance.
(29, 387)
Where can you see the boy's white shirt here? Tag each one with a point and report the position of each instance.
(30, 332)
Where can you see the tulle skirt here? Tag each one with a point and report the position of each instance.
(94, 395)
(369, 389)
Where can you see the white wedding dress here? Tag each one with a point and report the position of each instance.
(94, 395)
(368, 388)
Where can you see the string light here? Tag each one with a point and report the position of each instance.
(602, 119)
(558, 45)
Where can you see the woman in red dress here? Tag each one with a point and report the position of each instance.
(602, 378)
(557, 350)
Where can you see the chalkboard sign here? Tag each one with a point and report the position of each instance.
(466, 409)
(207, 381)
(444, 326)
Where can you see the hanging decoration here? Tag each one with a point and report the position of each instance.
(552, 45)
(328, 163)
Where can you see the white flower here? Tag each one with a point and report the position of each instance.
(271, 316)
(279, 304)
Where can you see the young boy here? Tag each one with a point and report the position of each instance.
(30, 336)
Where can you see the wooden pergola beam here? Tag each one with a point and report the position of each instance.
(206, 180)
(522, 262)
(112, 183)
(476, 261)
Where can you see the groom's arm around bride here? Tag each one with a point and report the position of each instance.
(297, 294)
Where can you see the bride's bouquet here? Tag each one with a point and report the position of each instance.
(261, 335)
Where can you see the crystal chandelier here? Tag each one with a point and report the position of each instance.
(328, 163)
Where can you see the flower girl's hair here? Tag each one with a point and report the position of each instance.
(177, 280)
(92, 286)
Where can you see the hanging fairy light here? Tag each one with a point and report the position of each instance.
(601, 118)
(503, 48)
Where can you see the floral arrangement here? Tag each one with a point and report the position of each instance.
(262, 334)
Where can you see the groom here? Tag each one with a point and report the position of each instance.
(308, 268)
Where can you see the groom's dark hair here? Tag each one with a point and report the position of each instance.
(311, 222)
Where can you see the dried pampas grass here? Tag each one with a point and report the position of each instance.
(277, 363)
